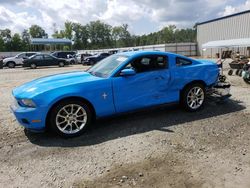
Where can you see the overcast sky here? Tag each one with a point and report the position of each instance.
(143, 16)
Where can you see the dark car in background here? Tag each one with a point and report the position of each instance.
(91, 60)
(70, 56)
(63, 54)
(44, 60)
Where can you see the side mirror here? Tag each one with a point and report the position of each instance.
(127, 72)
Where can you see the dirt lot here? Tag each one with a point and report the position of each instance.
(165, 147)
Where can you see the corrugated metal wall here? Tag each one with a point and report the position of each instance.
(234, 27)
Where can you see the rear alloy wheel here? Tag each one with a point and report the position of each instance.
(33, 66)
(11, 65)
(193, 97)
(70, 118)
(61, 64)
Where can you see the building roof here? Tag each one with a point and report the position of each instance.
(242, 42)
(221, 18)
(37, 41)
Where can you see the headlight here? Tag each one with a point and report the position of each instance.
(28, 103)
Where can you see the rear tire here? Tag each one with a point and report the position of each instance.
(61, 64)
(70, 118)
(246, 80)
(33, 66)
(11, 65)
(193, 97)
(230, 72)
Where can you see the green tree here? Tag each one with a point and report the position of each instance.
(6, 37)
(2, 45)
(59, 34)
(99, 34)
(16, 42)
(68, 31)
(25, 40)
(37, 32)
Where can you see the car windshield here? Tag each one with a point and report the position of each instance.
(20, 55)
(107, 66)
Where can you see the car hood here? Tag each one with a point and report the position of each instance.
(41, 85)
(8, 59)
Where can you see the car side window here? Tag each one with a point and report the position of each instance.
(182, 61)
(47, 57)
(38, 57)
(148, 63)
(21, 56)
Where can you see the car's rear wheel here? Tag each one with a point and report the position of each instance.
(247, 80)
(11, 65)
(61, 64)
(33, 66)
(193, 97)
(70, 118)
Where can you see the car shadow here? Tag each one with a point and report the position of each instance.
(161, 118)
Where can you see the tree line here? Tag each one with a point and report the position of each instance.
(95, 35)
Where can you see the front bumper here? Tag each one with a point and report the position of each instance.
(30, 118)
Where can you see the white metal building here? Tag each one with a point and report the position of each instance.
(235, 26)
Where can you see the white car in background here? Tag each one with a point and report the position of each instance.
(11, 62)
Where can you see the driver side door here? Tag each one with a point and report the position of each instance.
(148, 87)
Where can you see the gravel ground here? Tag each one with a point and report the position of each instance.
(164, 147)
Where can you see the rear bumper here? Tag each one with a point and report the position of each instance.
(30, 118)
(221, 90)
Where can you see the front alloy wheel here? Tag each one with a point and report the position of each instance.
(193, 97)
(70, 118)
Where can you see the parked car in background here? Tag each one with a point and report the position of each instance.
(44, 60)
(91, 60)
(12, 62)
(67, 103)
(71, 59)
(81, 56)
(111, 52)
(63, 54)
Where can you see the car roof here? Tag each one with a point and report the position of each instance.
(135, 53)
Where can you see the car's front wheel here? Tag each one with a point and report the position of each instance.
(193, 97)
(11, 64)
(70, 118)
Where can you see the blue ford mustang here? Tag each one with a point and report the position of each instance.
(67, 103)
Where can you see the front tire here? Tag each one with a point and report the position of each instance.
(70, 118)
(193, 97)
(11, 65)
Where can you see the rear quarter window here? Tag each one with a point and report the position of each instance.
(183, 62)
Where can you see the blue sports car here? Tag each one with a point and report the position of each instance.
(67, 103)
